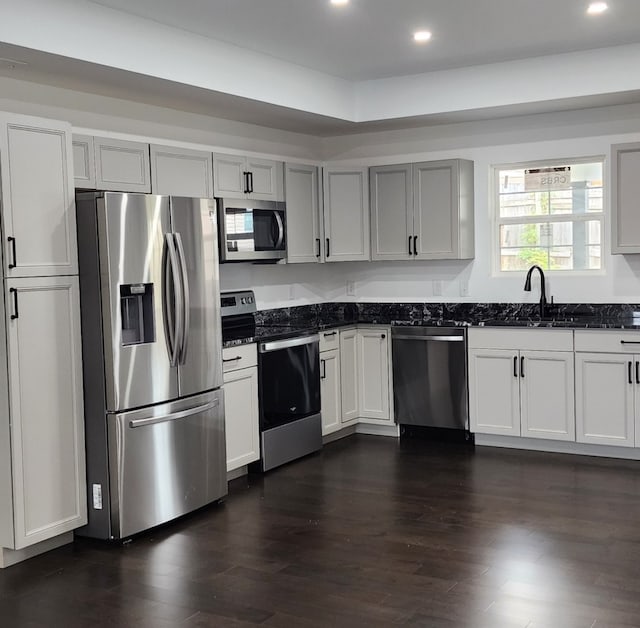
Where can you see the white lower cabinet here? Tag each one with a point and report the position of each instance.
(45, 424)
(522, 387)
(607, 398)
(330, 391)
(349, 397)
(241, 405)
(374, 375)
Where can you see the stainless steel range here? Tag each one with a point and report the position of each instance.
(288, 382)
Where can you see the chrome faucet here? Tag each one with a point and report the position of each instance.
(543, 294)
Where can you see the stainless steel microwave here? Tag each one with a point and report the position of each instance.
(251, 230)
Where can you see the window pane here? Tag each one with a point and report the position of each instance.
(557, 189)
(553, 246)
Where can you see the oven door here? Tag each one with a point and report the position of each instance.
(289, 380)
(251, 230)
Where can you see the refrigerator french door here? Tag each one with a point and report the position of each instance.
(152, 359)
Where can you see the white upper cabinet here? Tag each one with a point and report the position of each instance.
(625, 198)
(346, 214)
(391, 212)
(122, 166)
(304, 237)
(237, 176)
(181, 172)
(84, 164)
(37, 197)
(422, 211)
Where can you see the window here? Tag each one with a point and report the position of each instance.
(550, 214)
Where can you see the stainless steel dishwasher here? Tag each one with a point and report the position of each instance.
(430, 377)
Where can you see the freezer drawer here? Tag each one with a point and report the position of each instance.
(165, 461)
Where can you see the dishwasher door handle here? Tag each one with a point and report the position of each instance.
(430, 338)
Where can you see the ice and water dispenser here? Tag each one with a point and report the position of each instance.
(136, 313)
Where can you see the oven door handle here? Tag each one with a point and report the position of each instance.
(267, 347)
(280, 224)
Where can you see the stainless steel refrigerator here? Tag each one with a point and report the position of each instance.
(152, 359)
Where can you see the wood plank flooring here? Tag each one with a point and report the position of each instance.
(371, 532)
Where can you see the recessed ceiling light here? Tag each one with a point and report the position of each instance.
(339, 2)
(595, 8)
(422, 36)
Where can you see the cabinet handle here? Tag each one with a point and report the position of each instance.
(629, 372)
(515, 366)
(246, 182)
(15, 314)
(415, 245)
(327, 248)
(250, 181)
(12, 242)
(630, 342)
(318, 247)
(522, 367)
(383, 336)
(232, 359)
(637, 372)
(330, 333)
(323, 363)
(410, 251)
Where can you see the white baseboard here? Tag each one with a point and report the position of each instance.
(10, 557)
(553, 446)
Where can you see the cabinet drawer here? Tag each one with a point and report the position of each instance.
(329, 339)
(520, 339)
(240, 357)
(610, 341)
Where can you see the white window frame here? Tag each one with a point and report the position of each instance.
(497, 221)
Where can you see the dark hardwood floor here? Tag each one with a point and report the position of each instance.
(370, 532)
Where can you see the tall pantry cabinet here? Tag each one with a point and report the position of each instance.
(42, 466)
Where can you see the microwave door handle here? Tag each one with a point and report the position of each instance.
(174, 311)
(186, 299)
(280, 224)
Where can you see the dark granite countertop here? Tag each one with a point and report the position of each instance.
(294, 321)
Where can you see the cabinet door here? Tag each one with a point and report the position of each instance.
(122, 166)
(349, 375)
(330, 391)
(84, 165)
(266, 179)
(625, 198)
(229, 175)
(346, 214)
(37, 197)
(391, 212)
(181, 172)
(494, 394)
(47, 422)
(304, 240)
(443, 209)
(605, 399)
(373, 374)
(241, 417)
(547, 395)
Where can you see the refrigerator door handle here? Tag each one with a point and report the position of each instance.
(186, 299)
(173, 319)
(173, 417)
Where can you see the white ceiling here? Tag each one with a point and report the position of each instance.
(305, 66)
(372, 39)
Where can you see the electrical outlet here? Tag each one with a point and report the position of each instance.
(437, 288)
(351, 288)
(464, 288)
